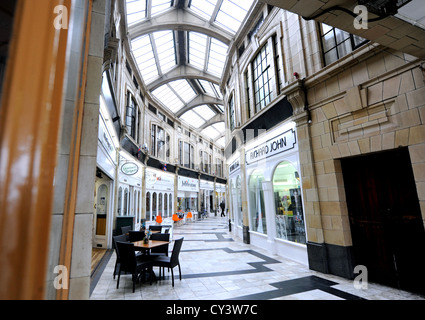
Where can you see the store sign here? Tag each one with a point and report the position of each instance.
(234, 166)
(159, 181)
(188, 184)
(129, 168)
(205, 185)
(284, 142)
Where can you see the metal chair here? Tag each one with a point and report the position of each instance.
(170, 262)
(131, 263)
(120, 238)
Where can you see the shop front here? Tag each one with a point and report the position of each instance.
(275, 206)
(159, 194)
(129, 198)
(106, 168)
(235, 197)
(206, 195)
(187, 197)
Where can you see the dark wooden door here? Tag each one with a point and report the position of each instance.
(385, 218)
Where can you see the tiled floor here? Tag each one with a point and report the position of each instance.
(217, 267)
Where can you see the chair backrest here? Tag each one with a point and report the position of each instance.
(176, 251)
(125, 229)
(135, 235)
(160, 237)
(127, 256)
(121, 238)
(155, 228)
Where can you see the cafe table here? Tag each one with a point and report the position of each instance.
(141, 245)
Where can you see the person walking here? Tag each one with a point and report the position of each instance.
(222, 206)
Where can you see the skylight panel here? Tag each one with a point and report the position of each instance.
(136, 11)
(220, 127)
(159, 6)
(220, 142)
(168, 98)
(205, 112)
(217, 57)
(217, 91)
(143, 53)
(208, 87)
(183, 89)
(193, 119)
(204, 8)
(197, 49)
(164, 41)
(232, 13)
(210, 132)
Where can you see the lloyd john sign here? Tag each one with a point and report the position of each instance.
(283, 142)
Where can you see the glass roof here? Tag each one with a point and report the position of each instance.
(198, 116)
(214, 131)
(175, 95)
(157, 53)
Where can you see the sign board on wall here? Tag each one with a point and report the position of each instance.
(188, 184)
(129, 168)
(283, 142)
(159, 180)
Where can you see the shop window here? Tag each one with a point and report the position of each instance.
(154, 205)
(170, 203)
(160, 204)
(148, 207)
(239, 201)
(256, 203)
(165, 205)
(119, 205)
(289, 210)
(126, 201)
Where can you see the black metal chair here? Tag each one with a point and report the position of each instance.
(120, 238)
(162, 250)
(170, 262)
(125, 230)
(155, 228)
(131, 263)
(134, 236)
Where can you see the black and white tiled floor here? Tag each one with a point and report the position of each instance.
(215, 266)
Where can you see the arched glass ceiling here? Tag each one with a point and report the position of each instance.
(159, 54)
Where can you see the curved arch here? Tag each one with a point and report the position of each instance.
(200, 100)
(216, 119)
(182, 20)
(183, 72)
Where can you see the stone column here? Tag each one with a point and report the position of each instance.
(270, 213)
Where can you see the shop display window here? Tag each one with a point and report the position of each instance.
(256, 203)
(289, 210)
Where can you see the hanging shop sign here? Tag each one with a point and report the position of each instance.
(129, 168)
(283, 142)
(188, 184)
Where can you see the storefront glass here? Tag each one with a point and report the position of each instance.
(289, 211)
(239, 201)
(148, 206)
(256, 203)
